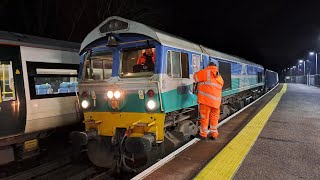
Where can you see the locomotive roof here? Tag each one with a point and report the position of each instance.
(162, 37)
(18, 39)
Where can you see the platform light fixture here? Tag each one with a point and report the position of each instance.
(316, 62)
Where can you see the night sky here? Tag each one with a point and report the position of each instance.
(272, 33)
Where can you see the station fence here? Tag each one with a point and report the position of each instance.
(313, 80)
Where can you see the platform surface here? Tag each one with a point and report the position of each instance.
(284, 129)
(289, 145)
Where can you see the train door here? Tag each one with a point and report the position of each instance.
(12, 97)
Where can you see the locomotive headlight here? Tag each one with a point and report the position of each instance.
(85, 104)
(117, 94)
(151, 104)
(110, 94)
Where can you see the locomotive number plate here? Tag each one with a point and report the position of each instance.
(31, 145)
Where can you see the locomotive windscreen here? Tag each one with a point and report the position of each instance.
(225, 72)
(137, 62)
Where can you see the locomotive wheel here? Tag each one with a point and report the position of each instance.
(100, 153)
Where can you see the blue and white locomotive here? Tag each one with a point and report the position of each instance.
(131, 109)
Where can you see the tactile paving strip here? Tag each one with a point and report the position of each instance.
(226, 163)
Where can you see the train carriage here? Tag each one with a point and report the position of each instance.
(271, 79)
(131, 108)
(38, 80)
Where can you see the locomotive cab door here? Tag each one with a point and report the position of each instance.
(12, 97)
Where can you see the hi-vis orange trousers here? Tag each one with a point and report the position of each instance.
(209, 114)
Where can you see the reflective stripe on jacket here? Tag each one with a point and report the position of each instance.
(210, 86)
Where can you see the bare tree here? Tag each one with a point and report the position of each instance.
(77, 16)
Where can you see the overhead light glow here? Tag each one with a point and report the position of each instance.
(311, 53)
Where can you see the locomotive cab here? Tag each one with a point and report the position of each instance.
(120, 97)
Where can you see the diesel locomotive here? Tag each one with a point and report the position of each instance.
(132, 109)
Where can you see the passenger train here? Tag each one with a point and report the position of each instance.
(38, 80)
(131, 110)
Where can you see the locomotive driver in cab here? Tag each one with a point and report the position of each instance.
(210, 85)
(148, 59)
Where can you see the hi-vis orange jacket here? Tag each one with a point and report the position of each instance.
(209, 86)
(142, 59)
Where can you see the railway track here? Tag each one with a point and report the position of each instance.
(63, 168)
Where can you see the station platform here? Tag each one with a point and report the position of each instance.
(289, 145)
(280, 139)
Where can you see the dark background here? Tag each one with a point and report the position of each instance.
(272, 33)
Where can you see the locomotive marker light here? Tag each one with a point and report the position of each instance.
(110, 94)
(85, 104)
(151, 104)
(117, 94)
(150, 93)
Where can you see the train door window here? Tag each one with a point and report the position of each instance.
(185, 65)
(7, 89)
(169, 72)
(225, 72)
(138, 62)
(48, 80)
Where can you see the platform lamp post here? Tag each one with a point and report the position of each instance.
(294, 70)
(315, 53)
(300, 63)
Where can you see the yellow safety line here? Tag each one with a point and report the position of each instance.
(227, 162)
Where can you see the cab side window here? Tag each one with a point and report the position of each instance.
(177, 64)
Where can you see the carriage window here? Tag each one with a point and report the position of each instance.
(7, 90)
(137, 62)
(55, 85)
(98, 66)
(48, 80)
(177, 64)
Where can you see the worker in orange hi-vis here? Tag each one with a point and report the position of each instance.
(210, 85)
